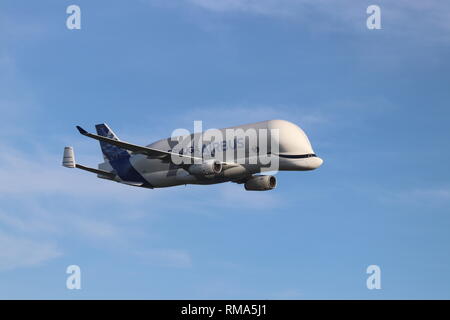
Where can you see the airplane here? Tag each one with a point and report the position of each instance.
(173, 161)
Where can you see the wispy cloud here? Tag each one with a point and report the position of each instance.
(239, 113)
(266, 7)
(345, 9)
(166, 258)
(313, 118)
(30, 178)
(401, 17)
(18, 252)
(40, 172)
(432, 196)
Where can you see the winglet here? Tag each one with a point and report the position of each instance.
(82, 131)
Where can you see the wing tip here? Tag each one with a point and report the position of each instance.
(81, 130)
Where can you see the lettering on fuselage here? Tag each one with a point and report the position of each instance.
(238, 145)
(214, 147)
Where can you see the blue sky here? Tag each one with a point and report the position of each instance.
(375, 105)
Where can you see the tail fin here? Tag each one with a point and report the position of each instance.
(110, 152)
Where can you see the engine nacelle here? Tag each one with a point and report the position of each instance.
(207, 168)
(261, 183)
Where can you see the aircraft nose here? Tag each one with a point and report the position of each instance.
(317, 162)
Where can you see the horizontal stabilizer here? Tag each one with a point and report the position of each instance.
(69, 162)
(107, 174)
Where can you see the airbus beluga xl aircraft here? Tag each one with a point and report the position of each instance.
(237, 154)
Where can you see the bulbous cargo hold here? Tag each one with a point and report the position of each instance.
(295, 151)
(292, 140)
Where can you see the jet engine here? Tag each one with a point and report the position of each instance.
(261, 183)
(207, 168)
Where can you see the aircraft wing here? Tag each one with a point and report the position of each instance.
(151, 152)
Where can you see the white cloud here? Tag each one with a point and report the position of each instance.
(166, 258)
(29, 179)
(404, 17)
(34, 221)
(41, 173)
(18, 252)
(94, 228)
(344, 8)
(280, 8)
(420, 196)
(268, 7)
(222, 116)
(439, 194)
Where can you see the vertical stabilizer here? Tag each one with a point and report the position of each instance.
(68, 158)
(110, 152)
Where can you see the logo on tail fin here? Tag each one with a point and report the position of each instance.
(110, 152)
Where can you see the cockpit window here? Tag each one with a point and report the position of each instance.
(298, 156)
